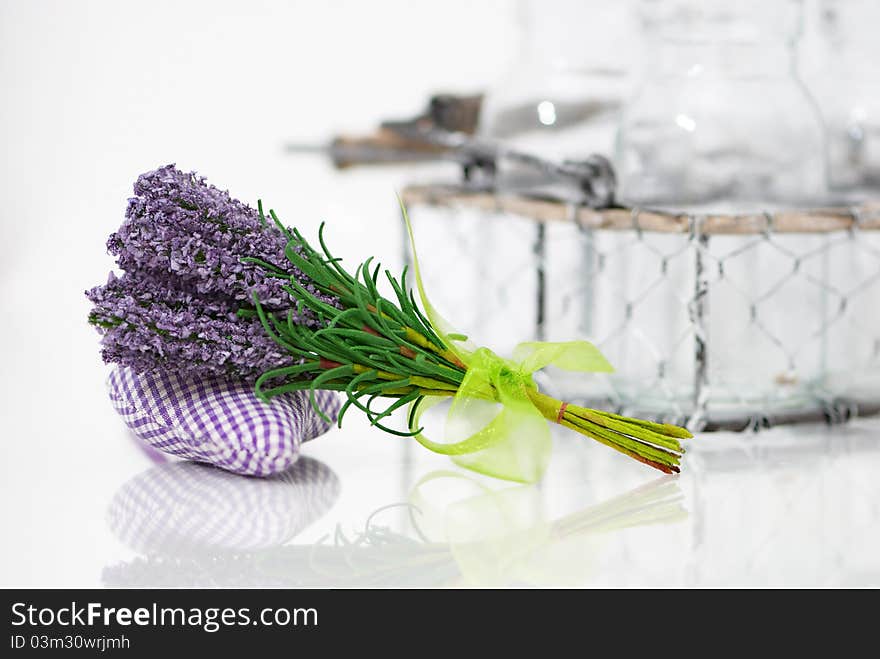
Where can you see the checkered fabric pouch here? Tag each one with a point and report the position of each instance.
(219, 422)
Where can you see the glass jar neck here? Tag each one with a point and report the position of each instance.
(543, 35)
(670, 58)
(745, 38)
(555, 35)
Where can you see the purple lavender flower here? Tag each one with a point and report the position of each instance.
(177, 225)
(149, 324)
(181, 247)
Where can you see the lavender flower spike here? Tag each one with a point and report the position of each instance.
(178, 225)
(150, 325)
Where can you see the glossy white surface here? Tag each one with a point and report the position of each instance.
(106, 90)
(783, 508)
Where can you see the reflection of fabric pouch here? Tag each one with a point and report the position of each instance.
(217, 421)
(187, 509)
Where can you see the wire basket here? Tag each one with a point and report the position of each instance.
(715, 321)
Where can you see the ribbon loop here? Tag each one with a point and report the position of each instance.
(512, 442)
(580, 356)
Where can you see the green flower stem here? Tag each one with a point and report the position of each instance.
(647, 445)
(422, 342)
(416, 380)
(370, 347)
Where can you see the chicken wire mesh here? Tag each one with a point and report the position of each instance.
(712, 321)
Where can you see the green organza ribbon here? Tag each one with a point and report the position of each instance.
(493, 427)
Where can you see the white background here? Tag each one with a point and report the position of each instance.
(96, 92)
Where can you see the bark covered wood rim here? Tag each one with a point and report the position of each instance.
(864, 216)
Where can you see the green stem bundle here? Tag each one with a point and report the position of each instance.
(370, 348)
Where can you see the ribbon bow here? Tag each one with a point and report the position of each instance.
(512, 442)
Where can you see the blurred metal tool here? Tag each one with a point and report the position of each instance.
(401, 141)
(384, 147)
(491, 165)
(445, 132)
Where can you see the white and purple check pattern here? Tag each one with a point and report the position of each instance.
(188, 509)
(217, 421)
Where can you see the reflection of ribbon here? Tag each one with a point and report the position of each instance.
(515, 442)
(503, 536)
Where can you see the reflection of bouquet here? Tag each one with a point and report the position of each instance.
(215, 288)
(195, 526)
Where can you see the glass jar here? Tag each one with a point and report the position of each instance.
(844, 79)
(720, 120)
(561, 95)
(559, 100)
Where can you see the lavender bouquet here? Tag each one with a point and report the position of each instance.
(215, 288)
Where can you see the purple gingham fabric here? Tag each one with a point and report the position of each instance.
(188, 509)
(218, 421)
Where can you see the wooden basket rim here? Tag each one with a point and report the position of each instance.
(864, 216)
